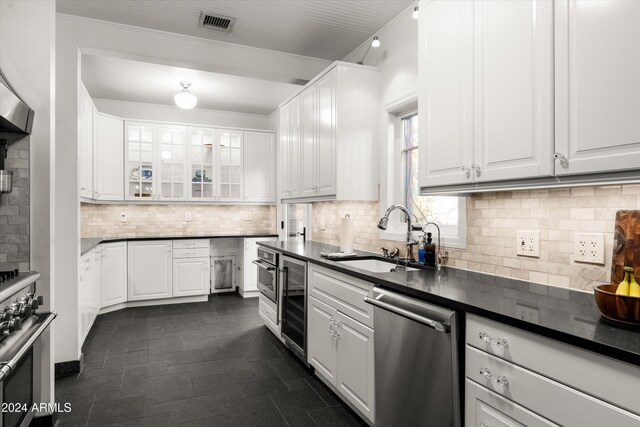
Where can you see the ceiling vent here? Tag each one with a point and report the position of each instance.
(216, 22)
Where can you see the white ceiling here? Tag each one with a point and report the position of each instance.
(328, 29)
(126, 80)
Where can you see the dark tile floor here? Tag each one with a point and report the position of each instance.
(203, 364)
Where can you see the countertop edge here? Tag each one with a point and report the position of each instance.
(100, 240)
(566, 338)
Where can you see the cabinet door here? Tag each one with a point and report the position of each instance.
(85, 143)
(513, 102)
(283, 152)
(321, 342)
(140, 152)
(203, 157)
(109, 156)
(149, 266)
(446, 93)
(83, 286)
(326, 137)
(486, 408)
(95, 299)
(308, 138)
(114, 273)
(259, 167)
(295, 146)
(597, 85)
(356, 364)
(190, 276)
(230, 142)
(172, 141)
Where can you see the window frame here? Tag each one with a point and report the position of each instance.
(393, 174)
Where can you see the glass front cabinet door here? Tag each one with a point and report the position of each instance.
(230, 143)
(173, 149)
(140, 170)
(203, 156)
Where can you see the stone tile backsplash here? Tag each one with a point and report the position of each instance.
(161, 220)
(492, 221)
(14, 210)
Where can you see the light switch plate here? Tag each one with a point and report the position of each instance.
(588, 247)
(246, 216)
(528, 243)
(123, 217)
(323, 223)
(187, 216)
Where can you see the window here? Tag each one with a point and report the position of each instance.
(403, 186)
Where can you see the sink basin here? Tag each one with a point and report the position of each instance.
(374, 265)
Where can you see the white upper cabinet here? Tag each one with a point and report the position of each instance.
(259, 152)
(140, 164)
(486, 104)
(172, 143)
(203, 158)
(446, 93)
(329, 136)
(230, 178)
(85, 143)
(284, 152)
(513, 102)
(109, 155)
(597, 85)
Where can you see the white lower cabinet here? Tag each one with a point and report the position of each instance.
(149, 270)
(89, 290)
(486, 408)
(556, 381)
(113, 266)
(191, 276)
(340, 348)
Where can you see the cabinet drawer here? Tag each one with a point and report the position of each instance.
(191, 253)
(344, 293)
(555, 401)
(268, 311)
(190, 243)
(608, 379)
(486, 408)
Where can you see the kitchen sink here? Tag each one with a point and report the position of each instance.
(375, 265)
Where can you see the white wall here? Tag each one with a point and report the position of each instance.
(167, 113)
(27, 56)
(75, 35)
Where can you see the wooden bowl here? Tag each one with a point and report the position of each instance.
(619, 308)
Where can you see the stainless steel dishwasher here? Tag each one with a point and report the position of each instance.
(416, 362)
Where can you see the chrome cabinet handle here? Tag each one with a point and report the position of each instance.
(467, 171)
(477, 168)
(483, 425)
(499, 380)
(500, 342)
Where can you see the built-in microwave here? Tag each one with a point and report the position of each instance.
(267, 264)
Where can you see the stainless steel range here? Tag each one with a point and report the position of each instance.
(20, 347)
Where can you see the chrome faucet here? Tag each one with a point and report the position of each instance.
(382, 225)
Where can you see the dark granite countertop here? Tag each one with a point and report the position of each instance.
(567, 315)
(88, 243)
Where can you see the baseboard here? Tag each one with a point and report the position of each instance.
(161, 301)
(249, 294)
(69, 368)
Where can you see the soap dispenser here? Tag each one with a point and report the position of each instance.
(421, 251)
(430, 252)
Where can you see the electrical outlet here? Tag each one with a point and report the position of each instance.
(123, 217)
(528, 243)
(187, 216)
(588, 247)
(246, 216)
(323, 223)
(529, 314)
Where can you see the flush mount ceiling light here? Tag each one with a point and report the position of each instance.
(185, 99)
(375, 42)
(415, 13)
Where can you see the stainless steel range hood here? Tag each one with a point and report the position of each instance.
(16, 120)
(15, 115)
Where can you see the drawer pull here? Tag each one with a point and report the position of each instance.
(483, 425)
(500, 342)
(500, 380)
